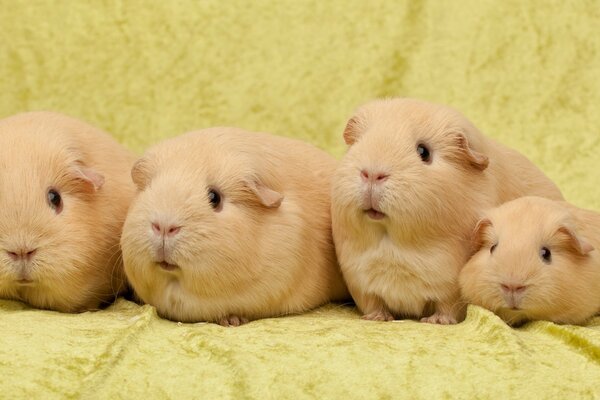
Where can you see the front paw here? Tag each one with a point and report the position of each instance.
(441, 319)
(232, 320)
(380, 315)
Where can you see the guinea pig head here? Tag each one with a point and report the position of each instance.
(196, 219)
(410, 162)
(526, 263)
(46, 221)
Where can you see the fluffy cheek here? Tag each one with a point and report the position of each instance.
(7, 276)
(222, 252)
(347, 190)
(136, 249)
(7, 273)
(67, 289)
(549, 294)
(66, 273)
(69, 256)
(477, 283)
(135, 242)
(428, 192)
(142, 277)
(74, 283)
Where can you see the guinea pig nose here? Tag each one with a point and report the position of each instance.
(513, 288)
(22, 254)
(165, 229)
(373, 177)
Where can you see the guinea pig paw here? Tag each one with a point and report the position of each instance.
(379, 315)
(232, 320)
(440, 319)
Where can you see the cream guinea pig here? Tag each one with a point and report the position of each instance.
(231, 226)
(405, 199)
(535, 260)
(64, 192)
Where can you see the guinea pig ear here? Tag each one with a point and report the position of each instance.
(478, 160)
(578, 244)
(265, 195)
(353, 131)
(92, 181)
(477, 239)
(140, 173)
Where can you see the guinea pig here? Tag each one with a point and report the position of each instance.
(230, 226)
(64, 192)
(405, 199)
(535, 260)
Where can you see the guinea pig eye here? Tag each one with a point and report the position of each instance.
(493, 248)
(546, 255)
(214, 198)
(54, 200)
(424, 153)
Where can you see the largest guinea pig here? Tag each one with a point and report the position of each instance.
(231, 226)
(535, 259)
(405, 199)
(64, 192)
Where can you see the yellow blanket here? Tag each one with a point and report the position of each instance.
(526, 73)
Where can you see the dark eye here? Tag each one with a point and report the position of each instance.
(546, 255)
(215, 198)
(493, 248)
(424, 153)
(54, 200)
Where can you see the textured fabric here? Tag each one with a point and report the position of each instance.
(526, 73)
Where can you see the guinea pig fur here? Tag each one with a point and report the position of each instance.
(405, 199)
(231, 226)
(64, 192)
(535, 259)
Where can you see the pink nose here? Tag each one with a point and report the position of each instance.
(22, 254)
(165, 229)
(373, 177)
(512, 288)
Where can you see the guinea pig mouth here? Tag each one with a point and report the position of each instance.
(24, 282)
(374, 214)
(167, 267)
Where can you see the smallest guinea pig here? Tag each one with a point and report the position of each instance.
(535, 259)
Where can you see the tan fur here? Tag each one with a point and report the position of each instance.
(407, 264)
(566, 290)
(77, 264)
(267, 252)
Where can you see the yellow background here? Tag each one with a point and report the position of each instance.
(526, 73)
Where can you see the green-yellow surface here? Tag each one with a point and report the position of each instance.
(527, 73)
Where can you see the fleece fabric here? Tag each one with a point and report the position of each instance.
(526, 73)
